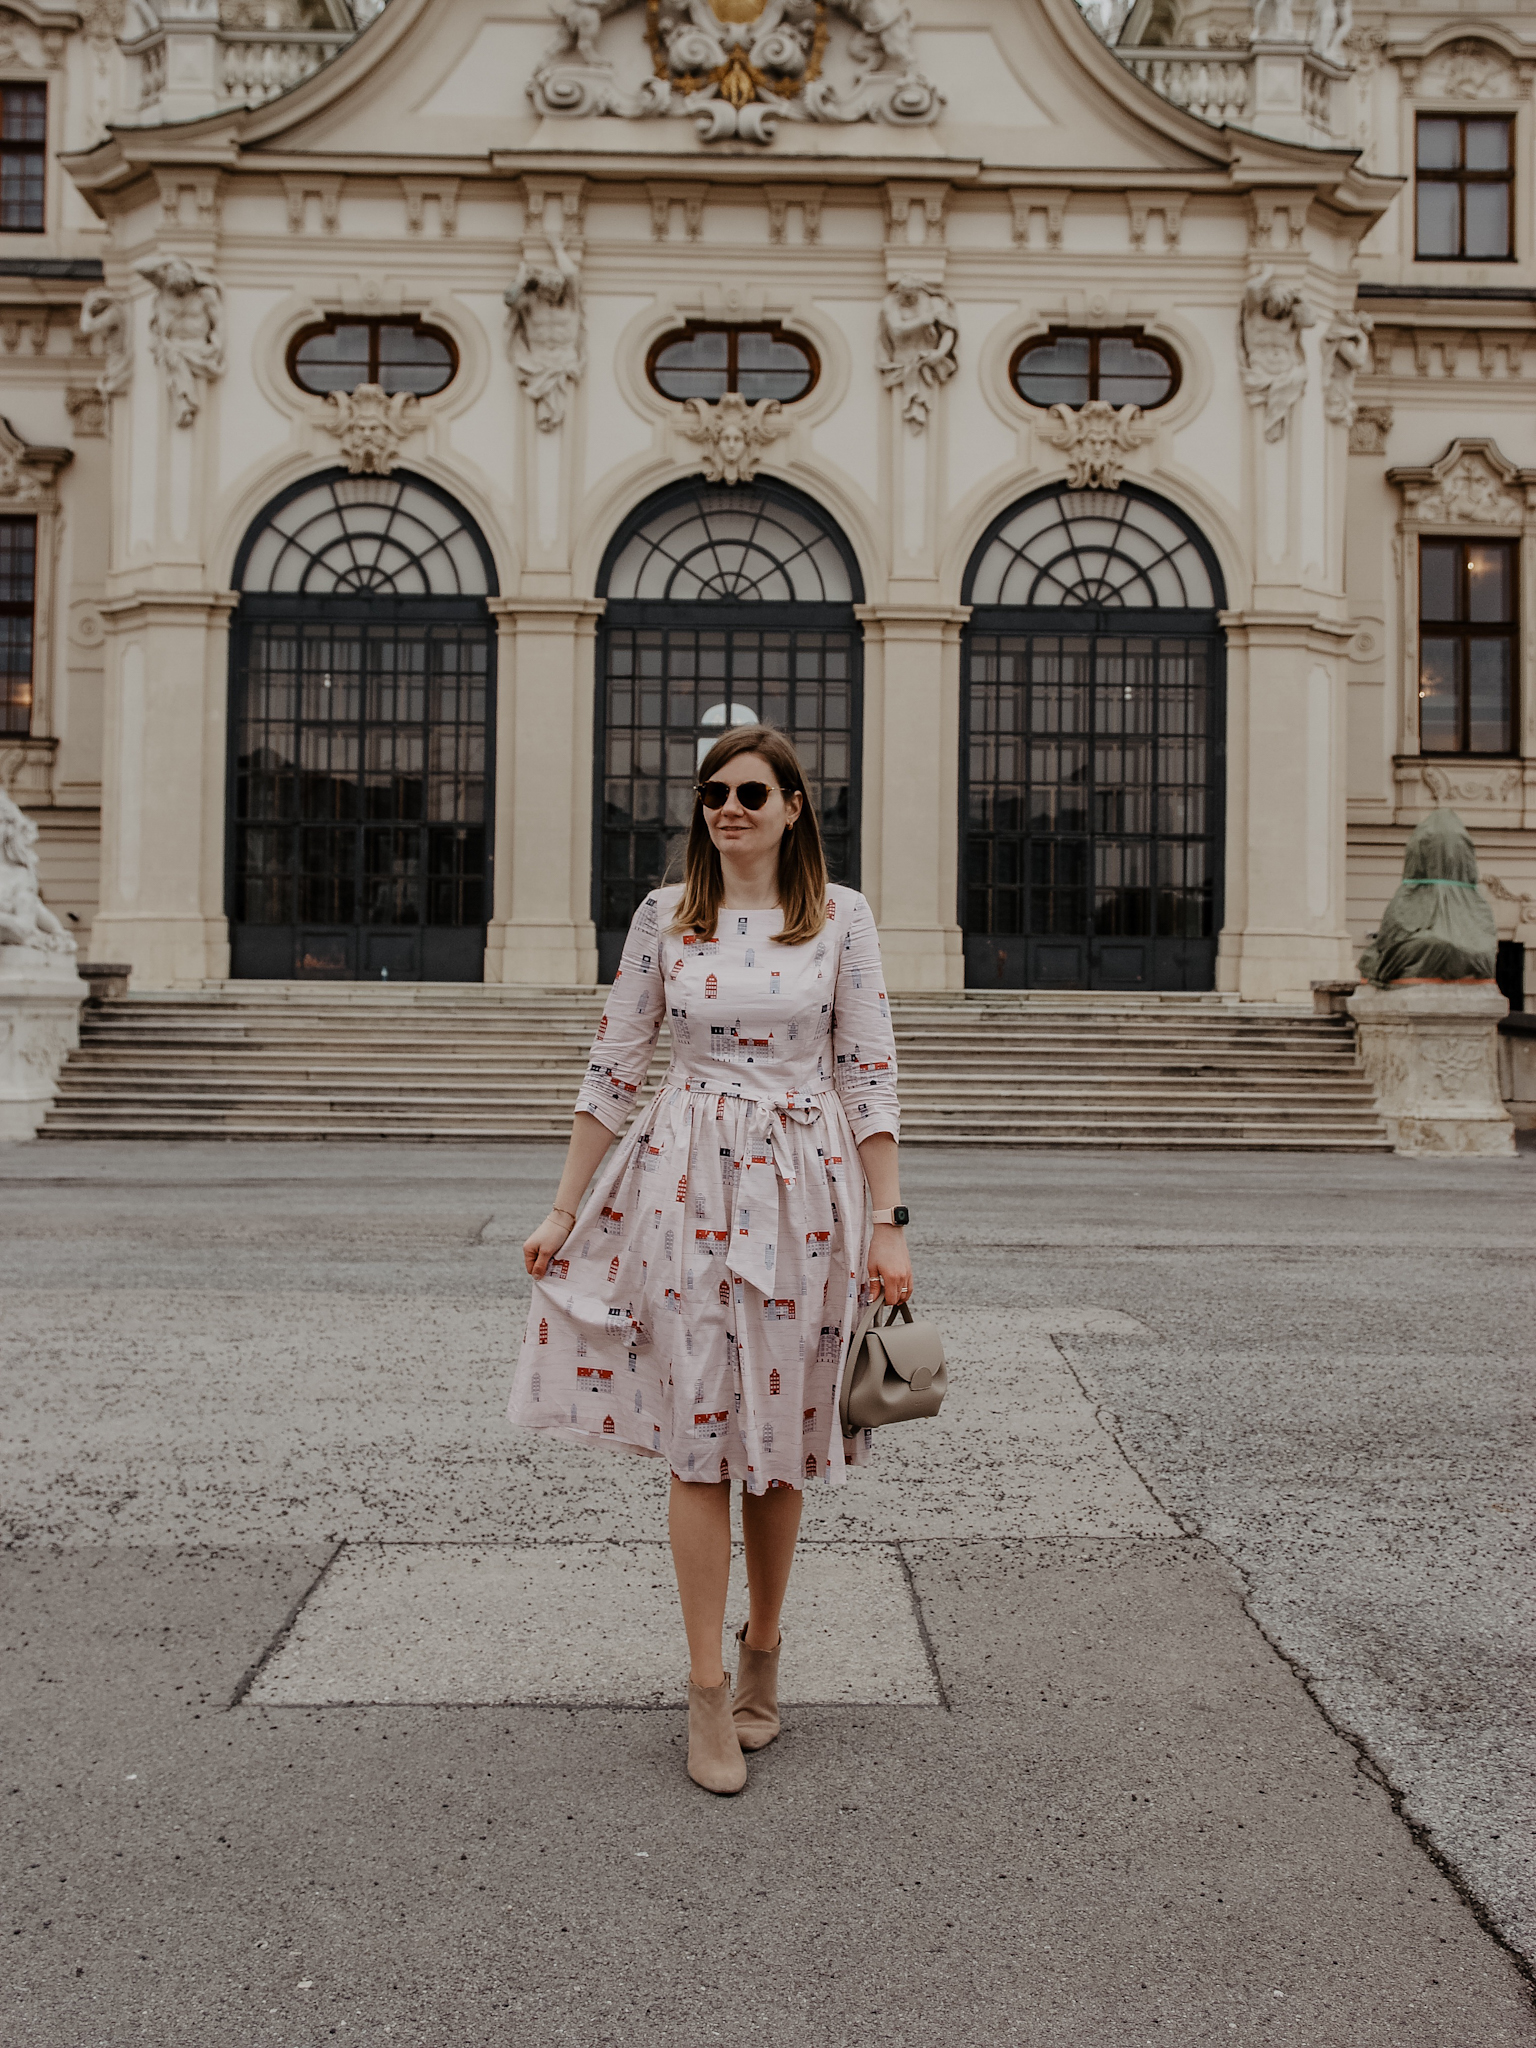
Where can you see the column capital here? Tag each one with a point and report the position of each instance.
(546, 607)
(915, 617)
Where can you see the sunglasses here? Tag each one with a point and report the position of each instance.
(750, 795)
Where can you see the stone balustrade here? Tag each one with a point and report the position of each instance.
(187, 68)
(1279, 89)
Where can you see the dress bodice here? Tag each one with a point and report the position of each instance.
(749, 1016)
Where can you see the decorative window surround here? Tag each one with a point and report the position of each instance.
(29, 484)
(1473, 488)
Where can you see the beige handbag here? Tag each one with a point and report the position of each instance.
(896, 1371)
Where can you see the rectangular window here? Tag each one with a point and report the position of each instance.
(18, 558)
(1468, 645)
(1465, 187)
(23, 157)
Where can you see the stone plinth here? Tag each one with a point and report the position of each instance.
(40, 998)
(1517, 1067)
(1431, 1052)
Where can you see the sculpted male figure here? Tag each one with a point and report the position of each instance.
(1269, 341)
(549, 344)
(186, 329)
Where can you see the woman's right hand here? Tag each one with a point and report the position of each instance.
(539, 1249)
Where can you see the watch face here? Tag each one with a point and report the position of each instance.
(899, 1216)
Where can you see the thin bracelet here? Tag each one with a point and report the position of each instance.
(556, 1210)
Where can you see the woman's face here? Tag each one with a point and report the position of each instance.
(742, 833)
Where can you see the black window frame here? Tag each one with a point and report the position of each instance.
(1461, 178)
(1464, 630)
(12, 725)
(375, 323)
(1093, 336)
(733, 330)
(19, 151)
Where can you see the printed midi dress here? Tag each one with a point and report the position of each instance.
(701, 1308)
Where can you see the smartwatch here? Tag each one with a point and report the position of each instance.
(897, 1215)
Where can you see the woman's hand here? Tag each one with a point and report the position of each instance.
(539, 1249)
(890, 1263)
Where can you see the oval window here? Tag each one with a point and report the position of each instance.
(1122, 369)
(707, 362)
(398, 355)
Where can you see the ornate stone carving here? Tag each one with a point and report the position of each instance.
(1274, 21)
(548, 338)
(87, 410)
(1095, 439)
(732, 434)
(103, 313)
(917, 346)
(25, 920)
(1369, 428)
(19, 483)
(736, 68)
(1525, 905)
(1333, 22)
(1430, 1053)
(186, 330)
(369, 425)
(1496, 787)
(1468, 70)
(1269, 328)
(1346, 351)
(1472, 484)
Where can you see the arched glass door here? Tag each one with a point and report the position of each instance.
(362, 669)
(725, 605)
(1091, 748)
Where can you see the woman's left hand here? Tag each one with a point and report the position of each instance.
(890, 1263)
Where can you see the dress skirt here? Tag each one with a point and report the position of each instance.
(701, 1308)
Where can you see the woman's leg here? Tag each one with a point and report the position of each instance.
(770, 1526)
(699, 1521)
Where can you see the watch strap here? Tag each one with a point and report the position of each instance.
(896, 1215)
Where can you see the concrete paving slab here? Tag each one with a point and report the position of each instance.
(162, 1416)
(411, 1624)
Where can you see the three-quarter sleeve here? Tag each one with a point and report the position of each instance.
(863, 1043)
(626, 1035)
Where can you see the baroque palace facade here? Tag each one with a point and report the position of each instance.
(1107, 445)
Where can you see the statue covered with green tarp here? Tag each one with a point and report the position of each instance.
(1439, 926)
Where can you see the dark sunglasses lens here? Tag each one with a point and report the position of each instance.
(750, 795)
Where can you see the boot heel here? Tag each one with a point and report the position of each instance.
(756, 1711)
(715, 1760)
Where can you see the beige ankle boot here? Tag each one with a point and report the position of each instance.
(715, 1760)
(756, 1711)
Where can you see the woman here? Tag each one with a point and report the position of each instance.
(699, 1304)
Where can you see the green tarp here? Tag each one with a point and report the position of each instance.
(1439, 926)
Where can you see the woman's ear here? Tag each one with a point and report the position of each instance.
(792, 804)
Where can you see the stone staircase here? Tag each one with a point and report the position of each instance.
(432, 1060)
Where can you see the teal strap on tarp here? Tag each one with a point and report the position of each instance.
(1433, 882)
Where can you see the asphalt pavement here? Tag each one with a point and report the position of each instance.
(1171, 1688)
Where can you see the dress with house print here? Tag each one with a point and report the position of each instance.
(701, 1308)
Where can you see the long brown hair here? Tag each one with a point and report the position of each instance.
(802, 860)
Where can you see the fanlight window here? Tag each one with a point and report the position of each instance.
(731, 546)
(1122, 369)
(707, 362)
(1093, 548)
(366, 536)
(398, 355)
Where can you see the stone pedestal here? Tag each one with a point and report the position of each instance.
(1517, 1068)
(40, 998)
(1431, 1052)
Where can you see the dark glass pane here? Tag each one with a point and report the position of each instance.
(1056, 372)
(1489, 697)
(18, 554)
(1439, 696)
(24, 113)
(1490, 582)
(1130, 374)
(21, 192)
(1487, 221)
(1439, 219)
(1439, 143)
(767, 366)
(1440, 579)
(696, 367)
(1487, 145)
(412, 361)
(337, 361)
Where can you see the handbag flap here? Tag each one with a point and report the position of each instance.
(909, 1348)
